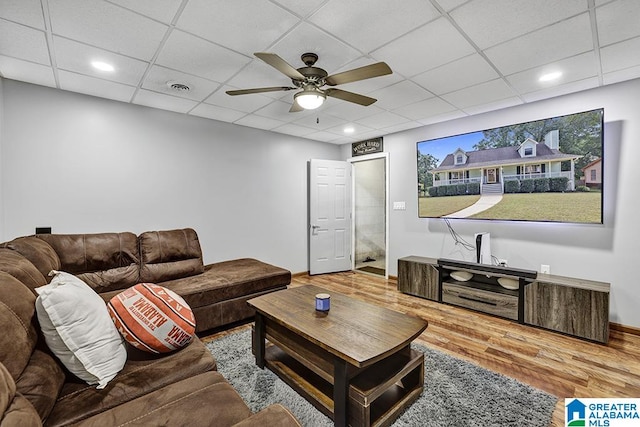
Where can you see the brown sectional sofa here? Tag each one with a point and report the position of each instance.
(179, 388)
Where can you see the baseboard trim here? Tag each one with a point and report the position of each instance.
(301, 273)
(623, 328)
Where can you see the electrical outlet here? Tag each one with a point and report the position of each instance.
(545, 269)
(502, 262)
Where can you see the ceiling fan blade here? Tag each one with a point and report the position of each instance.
(258, 90)
(362, 73)
(295, 108)
(280, 64)
(350, 96)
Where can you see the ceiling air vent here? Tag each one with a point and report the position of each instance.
(178, 87)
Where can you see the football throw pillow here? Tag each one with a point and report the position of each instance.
(152, 318)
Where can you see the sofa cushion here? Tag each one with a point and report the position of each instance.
(104, 261)
(19, 336)
(78, 330)
(227, 280)
(15, 410)
(152, 318)
(142, 374)
(168, 255)
(39, 252)
(41, 382)
(21, 268)
(180, 403)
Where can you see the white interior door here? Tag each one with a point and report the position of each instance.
(329, 216)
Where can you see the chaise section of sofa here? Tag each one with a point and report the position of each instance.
(110, 262)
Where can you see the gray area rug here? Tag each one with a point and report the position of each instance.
(456, 392)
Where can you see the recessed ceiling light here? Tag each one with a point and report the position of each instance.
(550, 76)
(102, 66)
(349, 130)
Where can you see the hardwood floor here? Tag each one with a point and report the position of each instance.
(558, 364)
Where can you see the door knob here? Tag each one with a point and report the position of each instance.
(314, 230)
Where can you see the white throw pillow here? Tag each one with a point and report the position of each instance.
(78, 330)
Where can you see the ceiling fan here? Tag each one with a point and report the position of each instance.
(311, 79)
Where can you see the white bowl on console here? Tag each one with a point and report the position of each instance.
(461, 276)
(509, 283)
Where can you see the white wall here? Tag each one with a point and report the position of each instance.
(606, 252)
(82, 164)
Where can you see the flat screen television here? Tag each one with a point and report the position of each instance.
(547, 170)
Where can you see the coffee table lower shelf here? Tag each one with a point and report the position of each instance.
(377, 395)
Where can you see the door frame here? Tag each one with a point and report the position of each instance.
(365, 157)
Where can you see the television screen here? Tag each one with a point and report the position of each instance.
(543, 170)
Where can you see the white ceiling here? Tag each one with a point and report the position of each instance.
(450, 58)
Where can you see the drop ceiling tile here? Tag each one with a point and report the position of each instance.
(331, 52)
(245, 26)
(26, 12)
(368, 135)
(399, 94)
(489, 22)
(199, 57)
(160, 10)
(449, 5)
(425, 48)
(107, 26)
(295, 130)
(401, 127)
(17, 69)
(325, 136)
(358, 129)
(493, 106)
(77, 57)
(163, 102)
(468, 71)
(456, 114)
(159, 77)
(617, 56)
(259, 122)
(549, 44)
(350, 111)
(368, 24)
(424, 109)
(617, 21)
(277, 110)
(94, 86)
(484, 93)
(23, 42)
(622, 75)
(317, 119)
(573, 69)
(561, 90)
(217, 113)
(383, 120)
(244, 103)
(301, 8)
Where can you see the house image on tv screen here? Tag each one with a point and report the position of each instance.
(492, 168)
(592, 174)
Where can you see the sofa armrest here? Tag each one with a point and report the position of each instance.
(273, 416)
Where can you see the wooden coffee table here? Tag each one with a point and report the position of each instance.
(354, 363)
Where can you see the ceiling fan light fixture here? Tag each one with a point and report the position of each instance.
(310, 99)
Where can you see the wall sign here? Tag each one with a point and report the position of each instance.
(367, 147)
